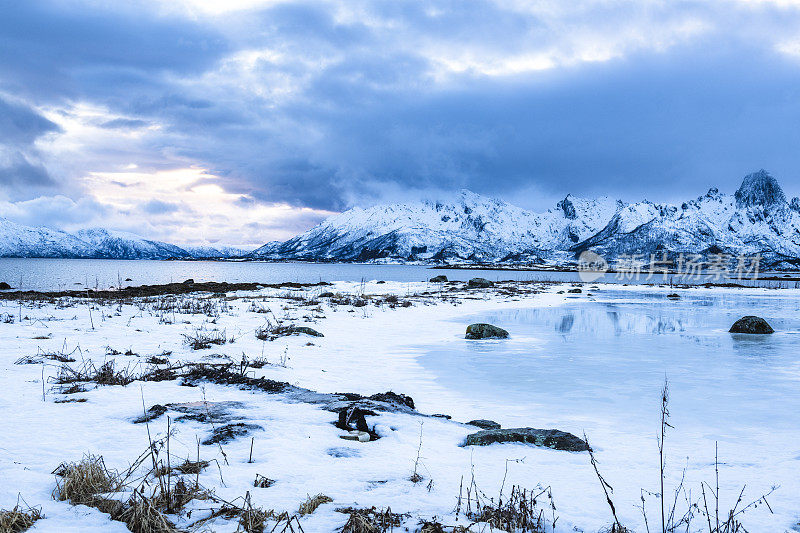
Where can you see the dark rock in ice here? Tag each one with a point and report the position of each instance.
(438, 279)
(751, 324)
(393, 398)
(484, 424)
(479, 283)
(307, 331)
(575, 291)
(485, 331)
(151, 414)
(4, 286)
(547, 438)
(229, 432)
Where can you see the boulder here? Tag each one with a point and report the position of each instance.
(393, 398)
(229, 432)
(674, 296)
(326, 294)
(547, 438)
(307, 331)
(575, 291)
(189, 281)
(484, 424)
(438, 279)
(479, 283)
(4, 286)
(485, 331)
(751, 324)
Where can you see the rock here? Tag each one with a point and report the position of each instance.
(206, 412)
(441, 415)
(4, 286)
(575, 291)
(151, 414)
(128, 279)
(438, 279)
(352, 419)
(484, 424)
(229, 432)
(189, 281)
(547, 438)
(751, 324)
(394, 398)
(674, 296)
(479, 283)
(485, 331)
(381, 282)
(326, 294)
(307, 331)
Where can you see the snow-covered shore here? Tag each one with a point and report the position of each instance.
(365, 350)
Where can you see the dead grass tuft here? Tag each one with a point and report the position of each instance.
(191, 467)
(81, 482)
(312, 503)
(370, 520)
(18, 519)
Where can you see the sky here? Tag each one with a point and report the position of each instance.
(244, 121)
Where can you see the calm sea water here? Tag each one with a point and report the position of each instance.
(64, 274)
(598, 366)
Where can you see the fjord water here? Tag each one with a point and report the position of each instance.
(69, 274)
(598, 364)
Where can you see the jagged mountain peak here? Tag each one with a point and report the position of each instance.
(759, 189)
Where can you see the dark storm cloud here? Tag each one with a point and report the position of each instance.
(339, 100)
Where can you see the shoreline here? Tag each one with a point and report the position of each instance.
(370, 346)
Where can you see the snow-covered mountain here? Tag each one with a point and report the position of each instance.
(756, 219)
(120, 244)
(473, 228)
(17, 240)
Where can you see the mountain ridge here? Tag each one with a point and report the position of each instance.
(756, 219)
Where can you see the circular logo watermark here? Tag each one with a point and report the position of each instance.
(591, 266)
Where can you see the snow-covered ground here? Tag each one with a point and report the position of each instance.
(365, 350)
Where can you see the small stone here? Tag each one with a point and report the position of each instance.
(393, 398)
(307, 331)
(440, 415)
(751, 324)
(546, 438)
(438, 279)
(479, 283)
(485, 331)
(575, 291)
(229, 432)
(484, 424)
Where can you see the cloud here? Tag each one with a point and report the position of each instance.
(157, 207)
(295, 108)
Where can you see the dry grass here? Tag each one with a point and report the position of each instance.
(191, 467)
(312, 503)
(18, 519)
(141, 516)
(202, 339)
(81, 482)
(370, 520)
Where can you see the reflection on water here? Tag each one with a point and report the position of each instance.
(609, 355)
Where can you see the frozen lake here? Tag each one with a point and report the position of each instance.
(598, 366)
(65, 274)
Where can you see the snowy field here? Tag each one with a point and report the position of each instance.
(376, 339)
